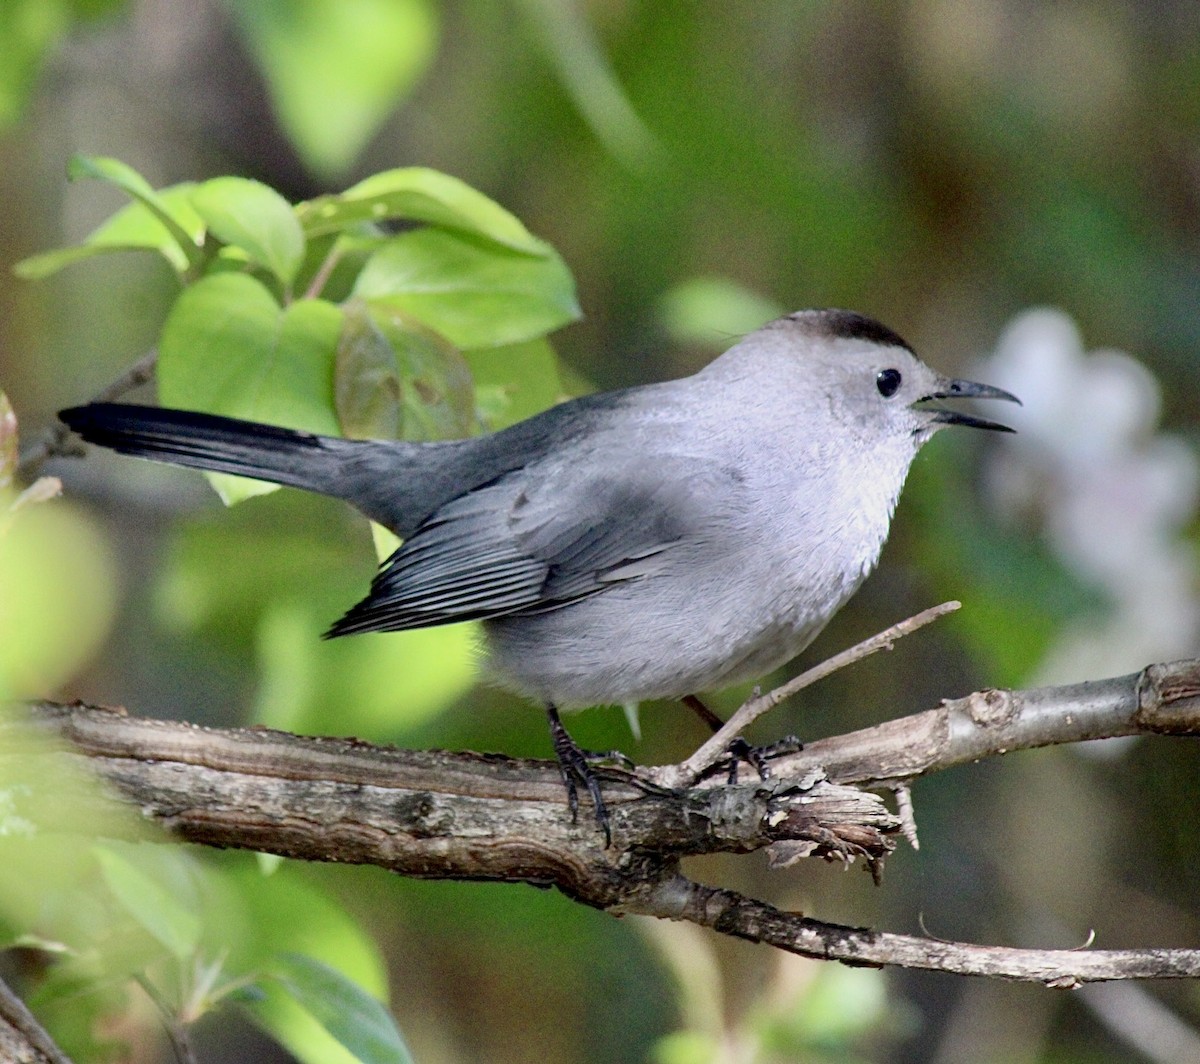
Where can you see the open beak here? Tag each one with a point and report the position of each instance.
(956, 389)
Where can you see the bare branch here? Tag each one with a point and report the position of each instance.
(22, 1039)
(469, 816)
(734, 914)
(433, 813)
(1159, 700)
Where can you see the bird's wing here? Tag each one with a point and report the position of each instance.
(532, 541)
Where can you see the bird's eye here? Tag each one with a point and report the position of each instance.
(888, 382)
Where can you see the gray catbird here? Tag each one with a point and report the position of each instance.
(640, 544)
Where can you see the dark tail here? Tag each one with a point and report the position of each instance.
(218, 444)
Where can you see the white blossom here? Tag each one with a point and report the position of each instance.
(1111, 495)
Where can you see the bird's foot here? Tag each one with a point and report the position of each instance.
(739, 749)
(575, 764)
(757, 756)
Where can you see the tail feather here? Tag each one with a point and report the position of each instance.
(217, 444)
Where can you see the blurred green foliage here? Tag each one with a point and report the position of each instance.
(237, 342)
(29, 29)
(335, 71)
(113, 916)
(57, 584)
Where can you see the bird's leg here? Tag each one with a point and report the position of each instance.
(739, 749)
(702, 711)
(575, 765)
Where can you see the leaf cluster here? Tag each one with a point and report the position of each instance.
(370, 312)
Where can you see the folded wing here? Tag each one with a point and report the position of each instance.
(529, 542)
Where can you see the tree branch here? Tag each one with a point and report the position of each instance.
(1159, 700)
(435, 814)
(735, 914)
(22, 1039)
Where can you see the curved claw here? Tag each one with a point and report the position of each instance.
(758, 756)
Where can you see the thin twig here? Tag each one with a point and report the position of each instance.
(324, 272)
(1160, 700)
(746, 918)
(717, 746)
(175, 1029)
(58, 441)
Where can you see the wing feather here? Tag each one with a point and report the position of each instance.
(533, 541)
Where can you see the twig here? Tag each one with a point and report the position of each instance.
(908, 817)
(176, 1030)
(324, 272)
(22, 1038)
(755, 921)
(1159, 700)
(717, 745)
(57, 441)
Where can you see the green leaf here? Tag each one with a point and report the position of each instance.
(838, 1007)
(228, 348)
(356, 1019)
(438, 394)
(473, 292)
(132, 228)
(289, 914)
(336, 69)
(129, 181)
(518, 381)
(155, 893)
(312, 685)
(396, 380)
(687, 1047)
(248, 215)
(366, 385)
(46, 263)
(8, 442)
(28, 28)
(418, 194)
(386, 543)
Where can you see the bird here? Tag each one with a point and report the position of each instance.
(655, 542)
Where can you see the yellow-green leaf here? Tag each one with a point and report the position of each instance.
(335, 69)
(228, 348)
(8, 442)
(354, 1017)
(133, 228)
(255, 218)
(418, 194)
(473, 292)
(129, 181)
(148, 896)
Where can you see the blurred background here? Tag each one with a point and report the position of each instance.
(1014, 187)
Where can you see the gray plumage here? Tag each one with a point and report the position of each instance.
(647, 543)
